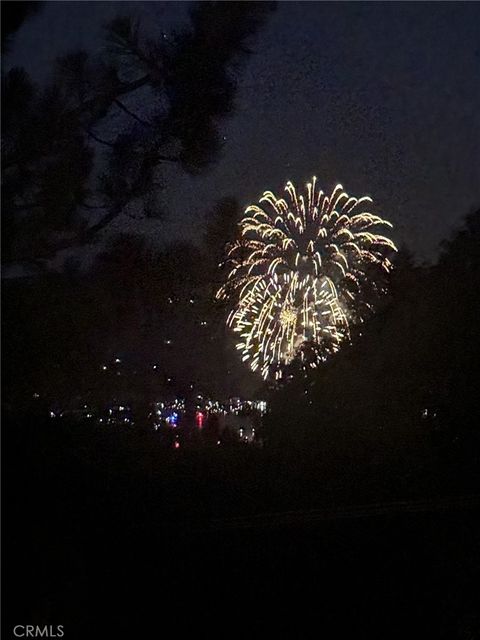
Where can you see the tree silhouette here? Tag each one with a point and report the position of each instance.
(411, 373)
(89, 123)
(14, 15)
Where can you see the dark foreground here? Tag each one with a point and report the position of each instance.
(219, 543)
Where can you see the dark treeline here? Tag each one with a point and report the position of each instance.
(407, 384)
(149, 306)
(98, 510)
(398, 404)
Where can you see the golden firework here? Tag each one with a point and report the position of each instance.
(298, 269)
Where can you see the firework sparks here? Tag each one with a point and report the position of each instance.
(299, 270)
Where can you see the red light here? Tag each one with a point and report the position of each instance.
(199, 417)
(177, 445)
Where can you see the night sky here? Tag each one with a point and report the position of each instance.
(381, 97)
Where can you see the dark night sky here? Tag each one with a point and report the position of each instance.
(382, 97)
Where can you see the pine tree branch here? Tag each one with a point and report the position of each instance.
(85, 205)
(130, 113)
(90, 233)
(95, 137)
(109, 98)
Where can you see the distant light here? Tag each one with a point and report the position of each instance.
(168, 342)
(218, 442)
(36, 395)
(192, 301)
(177, 445)
(104, 367)
(117, 360)
(52, 415)
(154, 366)
(172, 419)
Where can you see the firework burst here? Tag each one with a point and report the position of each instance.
(300, 270)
